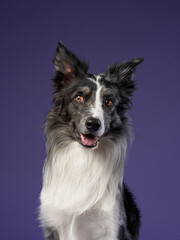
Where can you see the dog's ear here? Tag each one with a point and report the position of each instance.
(67, 65)
(123, 73)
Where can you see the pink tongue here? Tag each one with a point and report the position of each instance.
(88, 140)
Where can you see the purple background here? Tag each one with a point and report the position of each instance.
(103, 32)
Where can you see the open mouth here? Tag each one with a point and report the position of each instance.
(88, 140)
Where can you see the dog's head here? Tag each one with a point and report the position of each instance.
(88, 107)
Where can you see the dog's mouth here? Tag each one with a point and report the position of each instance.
(88, 140)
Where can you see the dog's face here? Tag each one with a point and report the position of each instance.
(90, 106)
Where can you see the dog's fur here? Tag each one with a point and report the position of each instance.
(83, 195)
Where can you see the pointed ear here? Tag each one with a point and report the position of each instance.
(122, 74)
(123, 71)
(67, 64)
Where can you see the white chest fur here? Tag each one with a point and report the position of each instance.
(77, 179)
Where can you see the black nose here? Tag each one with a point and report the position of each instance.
(93, 124)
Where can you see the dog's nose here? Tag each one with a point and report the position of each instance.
(93, 124)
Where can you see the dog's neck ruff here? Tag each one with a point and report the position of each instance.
(77, 178)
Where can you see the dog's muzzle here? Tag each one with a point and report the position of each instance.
(90, 137)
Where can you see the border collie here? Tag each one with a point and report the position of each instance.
(83, 195)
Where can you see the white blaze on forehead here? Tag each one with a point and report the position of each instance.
(97, 109)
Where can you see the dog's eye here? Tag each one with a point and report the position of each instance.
(108, 102)
(79, 99)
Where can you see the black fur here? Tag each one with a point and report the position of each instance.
(132, 215)
(51, 234)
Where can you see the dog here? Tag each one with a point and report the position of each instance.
(83, 196)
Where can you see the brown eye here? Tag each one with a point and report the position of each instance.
(108, 102)
(79, 99)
